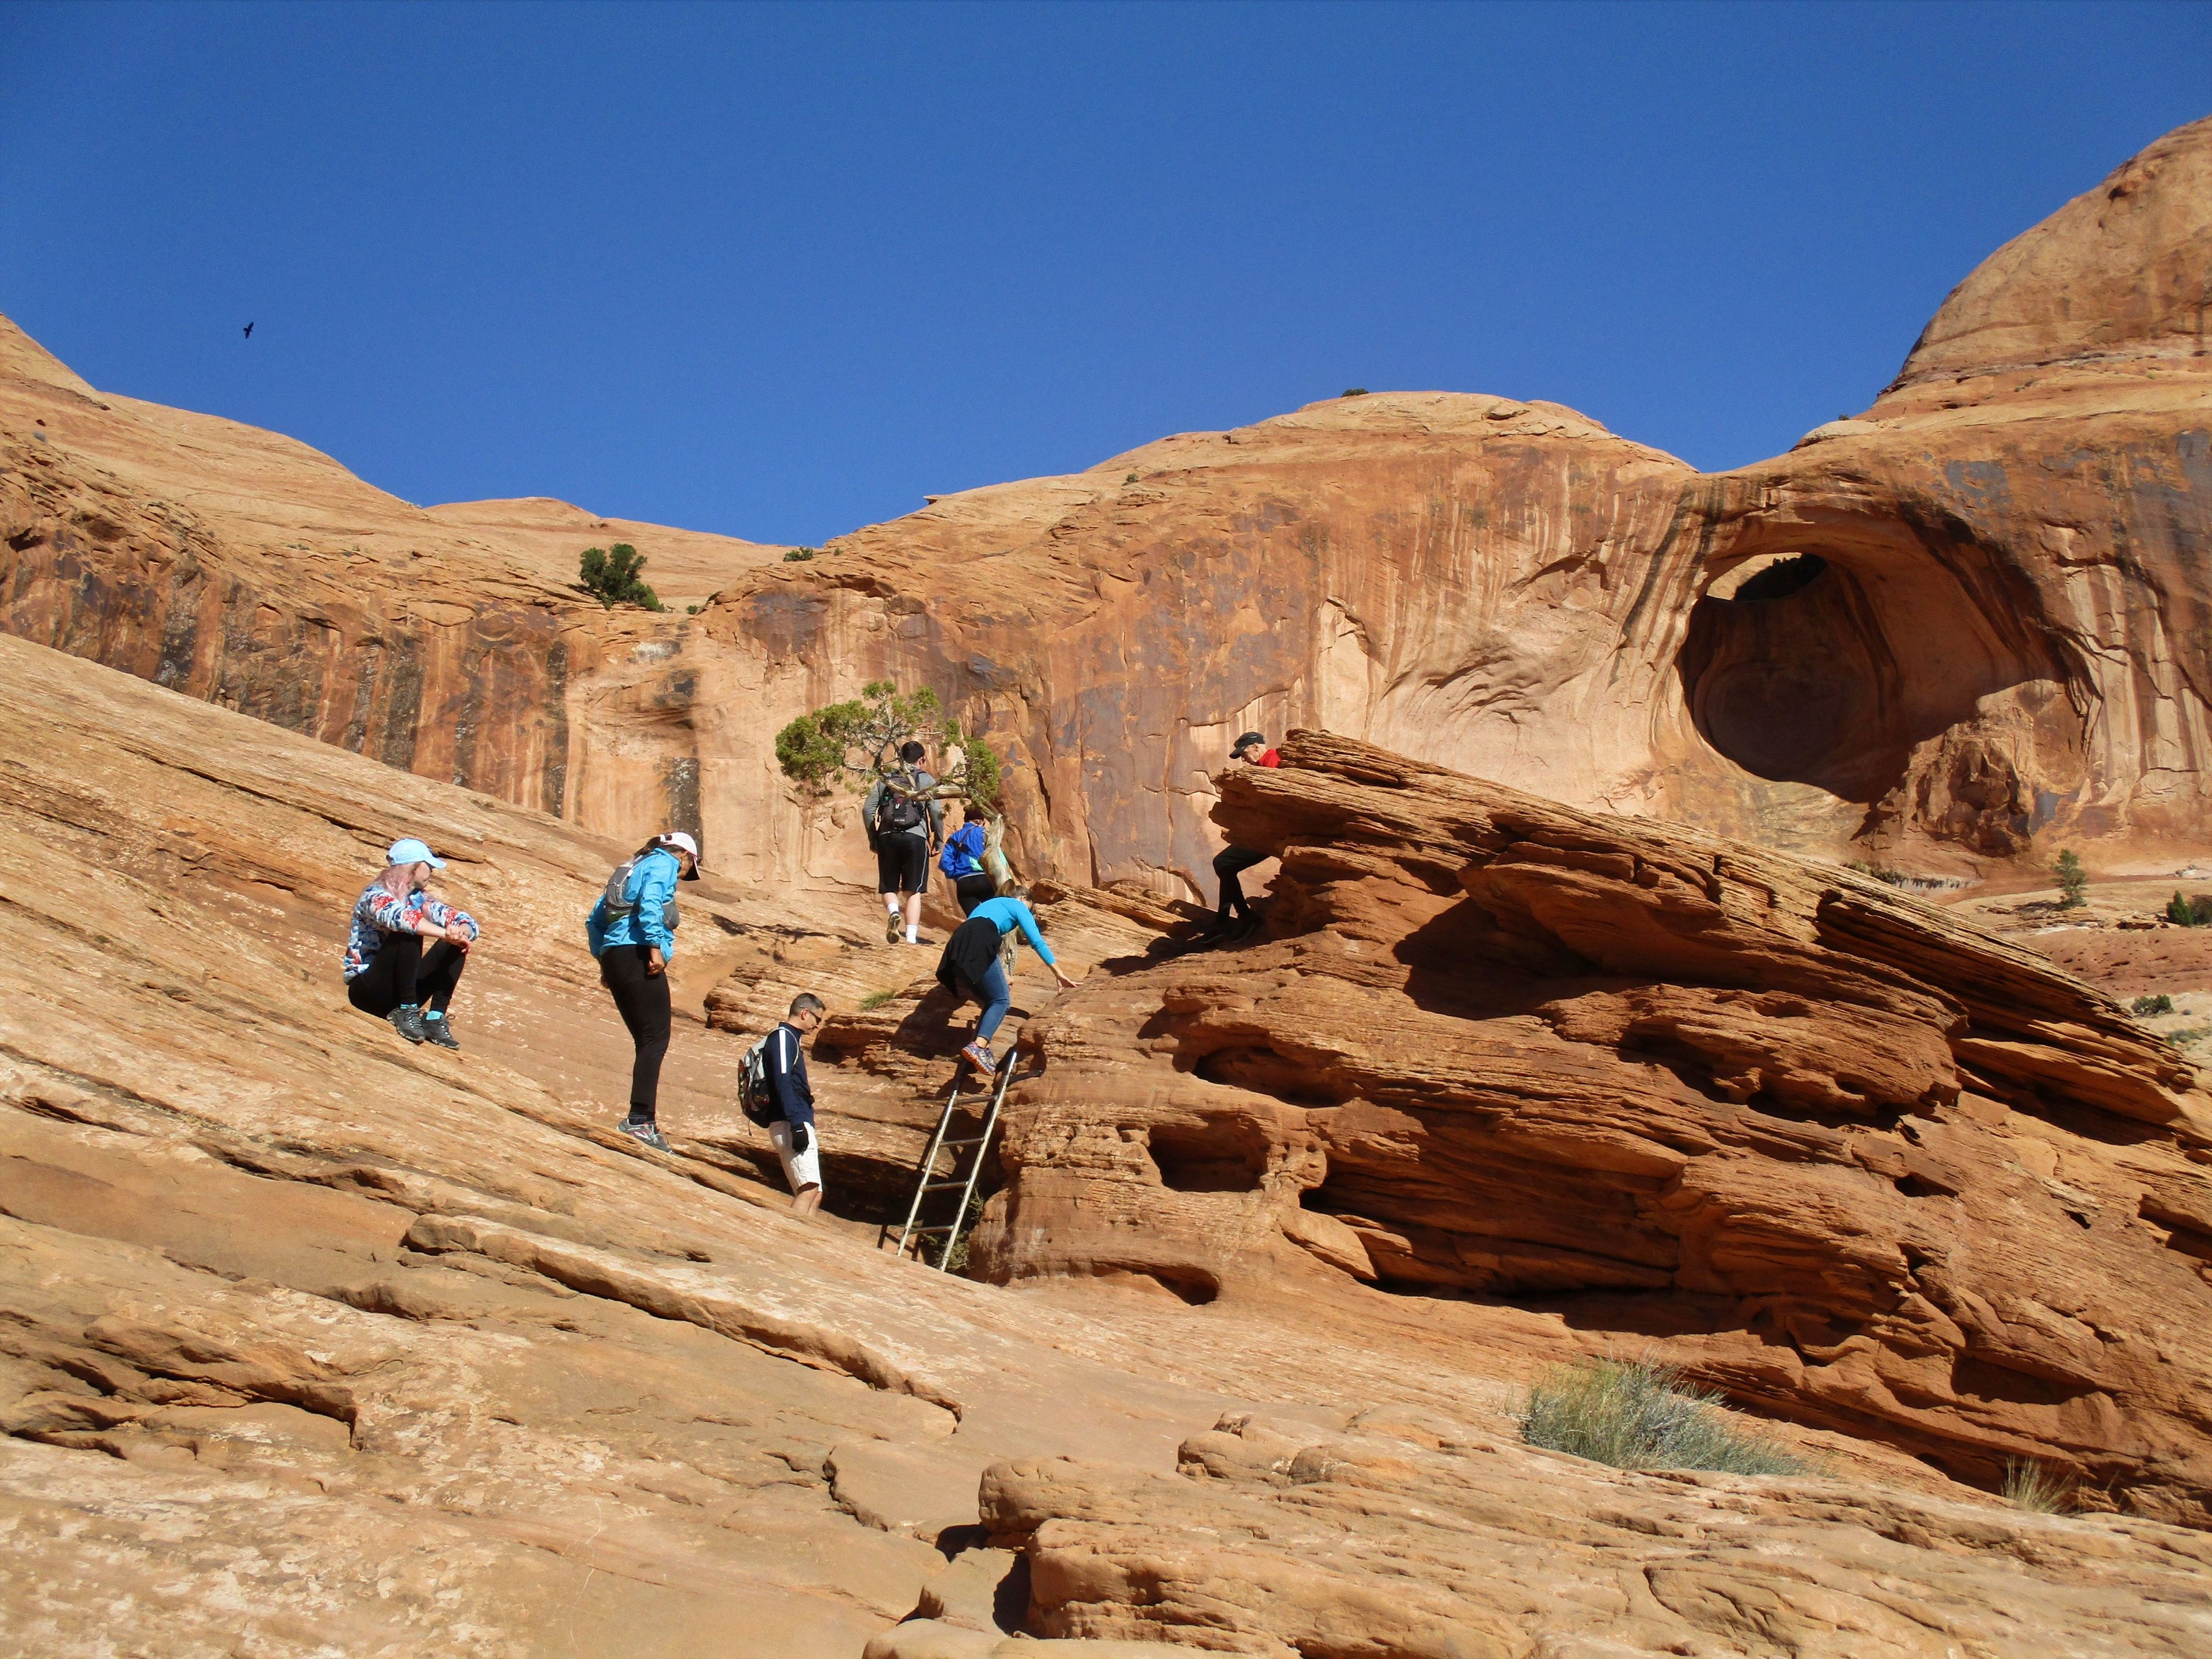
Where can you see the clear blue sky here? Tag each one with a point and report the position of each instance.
(778, 270)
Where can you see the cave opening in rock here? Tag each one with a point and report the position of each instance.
(1829, 665)
(1224, 1156)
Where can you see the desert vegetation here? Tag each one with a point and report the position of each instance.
(2037, 1486)
(1637, 1414)
(2072, 881)
(856, 742)
(613, 576)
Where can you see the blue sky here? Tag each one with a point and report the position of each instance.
(777, 271)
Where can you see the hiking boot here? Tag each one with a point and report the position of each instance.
(1249, 926)
(894, 929)
(408, 1022)
(645, 1129)
(978, 1054)
(438, 1031)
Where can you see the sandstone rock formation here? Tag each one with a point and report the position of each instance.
(1855, 1163)
(1965, 627)
(317, 1343)
(241, 567)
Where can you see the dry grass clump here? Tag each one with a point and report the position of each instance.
(2038, 1487)
(1634, 1414)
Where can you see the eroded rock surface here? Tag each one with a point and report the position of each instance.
(316, 1342)
(1857, 1163)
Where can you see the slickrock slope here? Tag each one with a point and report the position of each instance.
(313, 1343)
(1854, 1163)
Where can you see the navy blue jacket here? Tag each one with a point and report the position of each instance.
(786, 1075)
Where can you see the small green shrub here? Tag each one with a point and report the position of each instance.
(1353, 391)
(2188, 1034)
(798, 556)
(2036, 1486)
(1131, 479)
(876, 1000)
(1634, 1414)
(690, 610)
(612, 573)
(2190, 912)
(2148, 1007)
(2073, 882)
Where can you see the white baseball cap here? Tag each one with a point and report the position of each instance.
(679, 841)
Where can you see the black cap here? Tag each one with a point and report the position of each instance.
(1247, 741)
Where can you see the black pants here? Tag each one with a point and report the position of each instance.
(902, 862)
(402, 971)
(1228, 864)
(641, 998)
(972, 891)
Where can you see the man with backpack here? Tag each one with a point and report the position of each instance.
(775, 1094)
(632, 932)
(904, 828)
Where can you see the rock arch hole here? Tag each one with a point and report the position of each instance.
(1828, 664)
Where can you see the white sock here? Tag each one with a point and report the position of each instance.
(913, 933)
(891, 905)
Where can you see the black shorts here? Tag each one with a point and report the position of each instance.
(972, 891)
(902, 863)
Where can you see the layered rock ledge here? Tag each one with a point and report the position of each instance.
(1858, 1165)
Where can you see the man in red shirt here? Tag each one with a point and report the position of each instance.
(1236, 917)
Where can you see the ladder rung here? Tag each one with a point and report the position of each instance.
(977, 1141)
(911, 1231)
(939, 1185)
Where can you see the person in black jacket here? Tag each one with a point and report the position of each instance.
(793, 1132)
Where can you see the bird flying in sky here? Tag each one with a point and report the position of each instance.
(249, 330)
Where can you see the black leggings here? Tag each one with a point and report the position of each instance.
(641, 998)
(972, 891)
(402, 971)
(1228, 864)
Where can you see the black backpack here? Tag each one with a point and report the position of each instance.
(900, 813)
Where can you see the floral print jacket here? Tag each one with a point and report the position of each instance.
(380, 911)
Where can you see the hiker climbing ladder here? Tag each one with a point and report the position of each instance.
(927, 1180)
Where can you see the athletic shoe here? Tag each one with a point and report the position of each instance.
(644, 1129)
(438, 1031)
(1251, 924)
(408, 1022)
(978, 1054)
(894, 930)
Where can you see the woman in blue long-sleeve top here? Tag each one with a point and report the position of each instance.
(971, 967)
(632, 931)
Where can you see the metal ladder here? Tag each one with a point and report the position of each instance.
(911, 1236)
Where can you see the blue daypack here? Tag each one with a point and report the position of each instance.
(963, 852)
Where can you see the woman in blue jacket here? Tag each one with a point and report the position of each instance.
(632, 930)
(971, 967)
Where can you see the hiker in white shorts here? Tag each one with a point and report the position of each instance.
(792, 1132)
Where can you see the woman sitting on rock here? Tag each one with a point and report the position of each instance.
(970, 968)
(387, 972)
